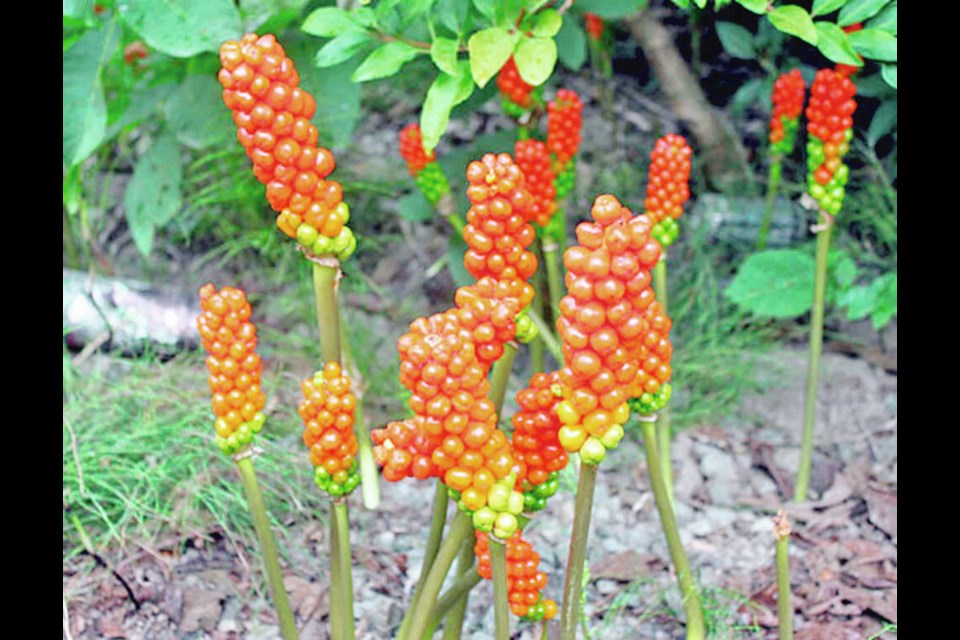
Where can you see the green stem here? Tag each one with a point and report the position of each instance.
(573, 582)
(813, 363)
(336, 577)
(536, 346)
(288, 626)
(73, 257)
(784, 603)
(773, 185)
(546, 335)
(461, 527)
(438, 519)
(466, 572)
(554, 276)
(343, 588)
(664, 436)
(501, 375)
(501, 606)
(328, 314)
(696, 628)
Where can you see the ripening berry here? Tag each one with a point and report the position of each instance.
(830, 127)
(411, 148)
(533, 158)
(788, 95)
(668, 186)
(536, 443)
(327, 413)
(563, 126)
(525, 580)
(513, 88)
(594, 25)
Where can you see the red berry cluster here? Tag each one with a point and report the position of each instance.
(668, 186)
(788, 95)
(411, 148)
(525, 581)
(513, 87)
(272, 114)
(829, 124)
(650, 390)
(604, 325)
(533, 158)
(230, 339)
(594, 24)
(563, 126)
(327, 414)
(535, 442)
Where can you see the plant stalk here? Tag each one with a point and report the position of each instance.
(328, 314)
(546, 335)
(501, 376)
(268, 550)
(551, 251)
(664, 436)
(813, 363)
(501, 606)
(466, 572)
(784, 601)
(438, 519)
(773, 185)
(573, 581)
(696, 628)
(343, 588)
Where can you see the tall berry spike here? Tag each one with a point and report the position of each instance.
(517, 94)
(525, 580)
(327, 413)
(422, 165)
(788, 95)
(668, 186)
(829, 125)
(533, 157)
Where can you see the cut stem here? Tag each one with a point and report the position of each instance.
(784, 599)
(343, 588)
(501, 606)
(268, 550)
(664, 435)
(438, 519)
(773, 185)
(573, 582)
(696, 629)
(813, 362)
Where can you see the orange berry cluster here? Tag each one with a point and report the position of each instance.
(517, 94)
(650, 391)
(272, 114)
(830, 128)
(604, 326)
(525, 581)
(564, 121)
(327, 413)
(668, 186)
(788, 95)
(533, 158)
(230, 339)
(594, 24)
(422, 166)
(535, 442)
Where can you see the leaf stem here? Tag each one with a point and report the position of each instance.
(664, 435)
(546, 334)
(467, 578)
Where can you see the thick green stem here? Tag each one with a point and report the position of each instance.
(696, 628)
(551, 256)
(438, 519)
(813, 363)
(288, 626)
(573, 582)
(466, 573)
(784, 601)
(342, 590)
(536, 346)
(461, 527)
(501, 375)
(501, 606)
(664, 435)
(773, 185)
(328, 314)
(546, 335)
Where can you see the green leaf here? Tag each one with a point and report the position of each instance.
(443, 52)
(859, 301)
(612, 9)
(883, 122)
(750, 94)
(487, 8)
(414, 9)
(823, 7)
(777, 284)
(886, 20)
(270, 16)
(875, 44)
(455, 250)
(329, 22)
(835, 45)
(536, 58)
(489, 50)
(385, 61)
(415, 208)
(700, 3)
(683, 4)
(795, 21)
(84, 105)
(889, 73)
(153, 196)
(196, 115)
(548, 23)
(444, 94)
(886, 300)
(859, 10)
(572, 45)
(145, 100)
(736, 40)
(756, 6)
(506, 13)
(338, 99)
(341, 48)
(183, 28)
(451, 13)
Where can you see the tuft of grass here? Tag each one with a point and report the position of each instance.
(722, 612)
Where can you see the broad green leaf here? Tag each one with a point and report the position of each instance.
(183, 28)
(548, 23)
(145, 100)
(572, 45)
(536, 58)
(683, 4)
(756, 6)
(414, 9)
(886, 300)
(859, 301)
(77, 8)
(455, 250)
(338, 99)
(270, 16)
(823, 7)
(859, 10)
(341, 48)
(841, 268)
(875, 44)
(883, 122)
(443, 52)
(196, 114)
(415, 208)
(489, 50)
(612, 9)
(886, 20)
(777, 284)
(752, 93)
(889, 73)
(736, 40)
(84, 105)
(365, 16)
(835, 45)
(443, 95)
(700, 3)
(795, 21)
(451, 13)
(153, 196)
(329, 22)
(487, 8)
(506, 13)
(385, 61)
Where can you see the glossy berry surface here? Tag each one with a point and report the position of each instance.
(533, 158)
(327, 413)
(411, 149)
(564, 121)
(789, 92)
(668, 185)
(525, 580)
(513, 88)
(830, 128)
(594, 25)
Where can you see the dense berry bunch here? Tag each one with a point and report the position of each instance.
(525, 581)
(272, 114)
(533, 158)
(518, 96)
(789, 91)
(594, 24)
(535, 441)
(650, 390)
(230, 339)
(327, 414)
(430, 178)
(829, 123)
(604, 325)
(668, 186)
(564, 121)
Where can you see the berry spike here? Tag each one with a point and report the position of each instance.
(787, 98)
(525, 581)
(668, 186)
(518, 96)
(830, 128)
(428, 175)
(533, 158)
